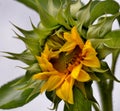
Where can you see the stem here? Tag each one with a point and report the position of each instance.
(106, 87)
(106, 96)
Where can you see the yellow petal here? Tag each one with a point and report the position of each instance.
(46, 52)
(89, 55)
(88, 49)
(79, 74)
(83, 76)
(75, 35)
(65, 91)
(73, 40)
(68, 47)
(67, 37)
(53, 82)
(45, 64)
(44, 75)
(93, 61)
(76, 70)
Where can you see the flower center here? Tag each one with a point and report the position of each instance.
(75, 62)
(66, 62)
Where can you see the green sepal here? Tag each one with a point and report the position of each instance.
(31, 38)
(25, 57)
(94, 77)
(103, 51)
(53, 98)
(29, 3)
(13, 95)
(91, 98)
(107, 74)
(115, 55)
(103, 7)
(80, 102)
(51, 8)
(103, 27)
(86, 89)
(46, 19)
(56, 40)
(35, 85)
(34, 39)
(118, 19)
(83, 19)
(61, 19)
(96, 42)
(32, 44)
(113, 39)
(110, 46)
(68, 15)
(75, 7)
(84, 14)
(32, 69)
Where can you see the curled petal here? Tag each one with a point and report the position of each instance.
(76, 37)
(89, 56)
(53, 82)
(88, 49)
(91, 62)
(73, 40)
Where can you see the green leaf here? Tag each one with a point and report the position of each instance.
(104, 7)
(80, 102)
(13, 95)
(113, 39)
(56, 41)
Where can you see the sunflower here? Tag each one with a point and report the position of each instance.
(61, 75)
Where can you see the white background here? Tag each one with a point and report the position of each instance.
(18, 14)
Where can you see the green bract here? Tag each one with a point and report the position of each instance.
(93, 20)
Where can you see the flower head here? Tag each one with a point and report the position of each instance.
(61, 68)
